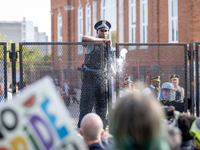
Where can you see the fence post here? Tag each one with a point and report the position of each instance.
(191, 52)
(21, 67)
(197, 78)
(5, 71)
(109, 84)
(60, 77)
(13, 59)
(186, 86)
(117, 71)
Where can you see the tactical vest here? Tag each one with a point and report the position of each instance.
(179, 95)
(94, 59)
(155, 92)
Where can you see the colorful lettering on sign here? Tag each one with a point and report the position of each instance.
(31, 139)
(36, 120)
(3, 148)
(15, 122)
(19, 143)
(62, 131)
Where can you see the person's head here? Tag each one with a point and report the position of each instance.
(56, 81)
(155, 81)
(167, 91)
(102, 28)
(174, 138)
(175, 80)
(91, 127)
(1, 88)
(128, 86)
(184, 123)
(137, 122)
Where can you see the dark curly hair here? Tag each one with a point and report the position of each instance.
(184, 123)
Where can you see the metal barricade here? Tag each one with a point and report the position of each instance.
(61, 62)
(196, 78)
(3, 69)
(144, 61)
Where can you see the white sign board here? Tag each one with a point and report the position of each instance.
(37, 119)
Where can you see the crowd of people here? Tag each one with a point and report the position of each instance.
(169, 94)
(140, 122)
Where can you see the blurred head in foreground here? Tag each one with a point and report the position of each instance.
(91, 128)
(137, 124)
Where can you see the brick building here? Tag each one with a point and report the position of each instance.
(137, 21)
(133, 21)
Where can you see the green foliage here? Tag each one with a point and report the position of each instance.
(32, 55)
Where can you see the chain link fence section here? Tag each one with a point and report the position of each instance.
(196, 77)
(60, 61)
(144, 61)
(3, 71)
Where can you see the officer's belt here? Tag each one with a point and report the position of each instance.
(93, 70)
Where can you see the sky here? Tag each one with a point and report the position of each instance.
(37, 11)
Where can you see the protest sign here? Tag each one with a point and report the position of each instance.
(37, 119)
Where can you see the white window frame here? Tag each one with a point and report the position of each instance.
(173, 19)
(80, 23)
(88, 19)
(59, 34)
(103, 8)
(132, 21)
(143, 22)
(59, 25)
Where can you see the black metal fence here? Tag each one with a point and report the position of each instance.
(196, 78)
(62, 60)
(144, 61)
(3, 70)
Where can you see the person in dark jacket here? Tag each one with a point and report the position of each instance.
(92, 131)
(94, 77)
(184, 123)
(167, 97)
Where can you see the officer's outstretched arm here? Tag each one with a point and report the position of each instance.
(87, 38)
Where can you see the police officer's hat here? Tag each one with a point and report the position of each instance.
(174, 76)
(102, 25)
(157, 78)
(128, 80)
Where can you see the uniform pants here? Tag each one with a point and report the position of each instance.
(93, 93)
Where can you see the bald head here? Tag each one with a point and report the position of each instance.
(91, 127)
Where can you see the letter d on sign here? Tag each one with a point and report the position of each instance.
(36, 120)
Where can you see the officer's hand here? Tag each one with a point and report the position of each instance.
(108, 40)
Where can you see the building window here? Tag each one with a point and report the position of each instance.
(59, 32)
(80, 23)
(88, 19)
(143, 21)
(132, 21)
(108, 12)
(173, 20)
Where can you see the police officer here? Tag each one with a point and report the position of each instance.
(93, 92)
(154, 88)
(167, 97)
(167, 94)
(180, 94)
